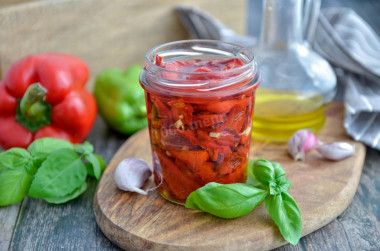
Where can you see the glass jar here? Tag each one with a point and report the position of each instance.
(297, 83)
(200, 96)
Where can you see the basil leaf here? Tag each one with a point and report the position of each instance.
(281, 184)
(41, 148)
(285, 213)
(103, 164)
(14, 184)
(271, 174)
(263, 171)
(14, 158)
(251, 179)
(226, 201)
(69, 197)
(59, 175)
(16, 175)
(93, 166)
(48, 145)
(86, 147)
(278, 170)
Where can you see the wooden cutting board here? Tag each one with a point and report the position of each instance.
(323, 189)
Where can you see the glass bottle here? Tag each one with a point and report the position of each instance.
(200, 96)
(297, 83)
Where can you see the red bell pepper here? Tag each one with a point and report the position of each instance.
(43, 95)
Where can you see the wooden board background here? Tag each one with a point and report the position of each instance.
(104, 33)
(323, 189)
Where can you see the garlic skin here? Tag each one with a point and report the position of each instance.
(131, 174)
(300, 143)
(336, 151)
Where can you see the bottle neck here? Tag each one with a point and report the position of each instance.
(281, 24)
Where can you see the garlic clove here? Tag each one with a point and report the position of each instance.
(131, 174)
(300, 143)
(336, 150)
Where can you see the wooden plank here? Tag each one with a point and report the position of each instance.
(103, 33)
(8, 218)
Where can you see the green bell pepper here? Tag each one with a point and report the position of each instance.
(121, 99)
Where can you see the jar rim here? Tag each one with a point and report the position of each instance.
(153, 76)
(151, 53)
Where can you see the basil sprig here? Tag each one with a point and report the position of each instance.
(52, 169)
(266, 182)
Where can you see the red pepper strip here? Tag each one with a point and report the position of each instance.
(177, 65)
(243, 150)
(183, 167)
(244, 139)
(235, 120)
(228, 139)
(162, 110)
(183, 111)
(224, 106)
(202, 76)
(238, 176)
(232, 63)
(157, 123)
(214, 155)
(194, 159)
(178, 183)
(215, 149)
(201, 174)
(171, 138)
(189, 135)
(203, 69)
(206, 119)
(205, 173)
(159, 61)
(229, 165)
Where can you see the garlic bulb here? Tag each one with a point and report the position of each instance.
(336, 150)
(131, 174)
(300, 143)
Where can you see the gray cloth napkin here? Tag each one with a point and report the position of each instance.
(348, 43)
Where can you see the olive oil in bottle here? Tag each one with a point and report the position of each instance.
(279, 113)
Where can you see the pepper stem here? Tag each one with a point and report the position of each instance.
(33, 112)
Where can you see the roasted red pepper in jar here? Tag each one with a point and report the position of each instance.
(198, 140)
(43, 95)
